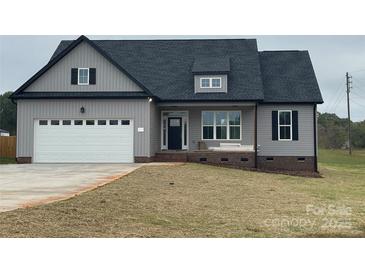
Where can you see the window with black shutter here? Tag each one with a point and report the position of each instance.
(285, 125)
(92, 76)
(74, 75)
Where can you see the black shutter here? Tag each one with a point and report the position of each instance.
(274, 123)
(74, 75)
(295, 125)
(92, 76)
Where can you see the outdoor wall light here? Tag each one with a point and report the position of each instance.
(149, 99)
(82, 110)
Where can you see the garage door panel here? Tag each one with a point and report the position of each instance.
(78, 144)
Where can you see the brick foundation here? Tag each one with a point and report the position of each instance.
(143, 159)
(242, 160)
(24, 160)
(234, 159)
(286, 163)
(171, 157)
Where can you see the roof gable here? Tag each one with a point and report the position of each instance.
(61, 53)
(108, 77)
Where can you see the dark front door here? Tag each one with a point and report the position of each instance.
(174, 133)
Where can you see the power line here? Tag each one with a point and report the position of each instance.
(357, 103)
(342, 96)
(358, 95)
(338, 94)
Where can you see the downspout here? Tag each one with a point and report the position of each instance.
(315, 137)
(255, 137)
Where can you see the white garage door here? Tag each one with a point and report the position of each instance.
(83, 141)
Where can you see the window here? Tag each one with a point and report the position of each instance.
(216, 82)
(43, 122)
(208, 124)
(101, 122)
(90, 122)
(78, 122)
(221, 125)
(66, 122)
(113, 122)
(285, 125)
(83, 76)
(55, 122)
(211, 82)
(234, 118)
(125, 122)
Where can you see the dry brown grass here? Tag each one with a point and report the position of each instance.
(204, 201)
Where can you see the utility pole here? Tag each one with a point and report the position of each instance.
(348, 87)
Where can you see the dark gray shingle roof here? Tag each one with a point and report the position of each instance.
(165, 68)
(288, 76)
(211, 65)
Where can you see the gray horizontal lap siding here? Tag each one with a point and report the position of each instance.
(29, 110)
(303, 147)
(247, 125)
(108, 77)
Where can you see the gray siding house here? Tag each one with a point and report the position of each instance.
(218, 101)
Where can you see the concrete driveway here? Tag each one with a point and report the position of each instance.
(33, 184)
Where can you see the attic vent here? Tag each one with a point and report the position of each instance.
(270, 159)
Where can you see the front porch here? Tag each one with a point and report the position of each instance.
(221, 133)
(212, 127)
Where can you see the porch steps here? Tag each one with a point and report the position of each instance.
(171, 157)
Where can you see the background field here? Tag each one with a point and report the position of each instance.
(194, 200)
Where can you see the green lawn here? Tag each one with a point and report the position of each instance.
(194, 200)
(6, 160)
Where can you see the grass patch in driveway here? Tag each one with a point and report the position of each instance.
(204, 201)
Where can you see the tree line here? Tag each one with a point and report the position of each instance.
(333, 132)
(7, 113)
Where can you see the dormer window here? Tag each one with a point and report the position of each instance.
(211, 82)
(83, 76)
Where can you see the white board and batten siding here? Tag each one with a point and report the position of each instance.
(83, 143)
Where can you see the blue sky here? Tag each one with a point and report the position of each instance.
(332, 57)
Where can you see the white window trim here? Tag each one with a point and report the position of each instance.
(215, 125)
(291, 125)
(78, 77)
(183, 119)
(210, 82)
